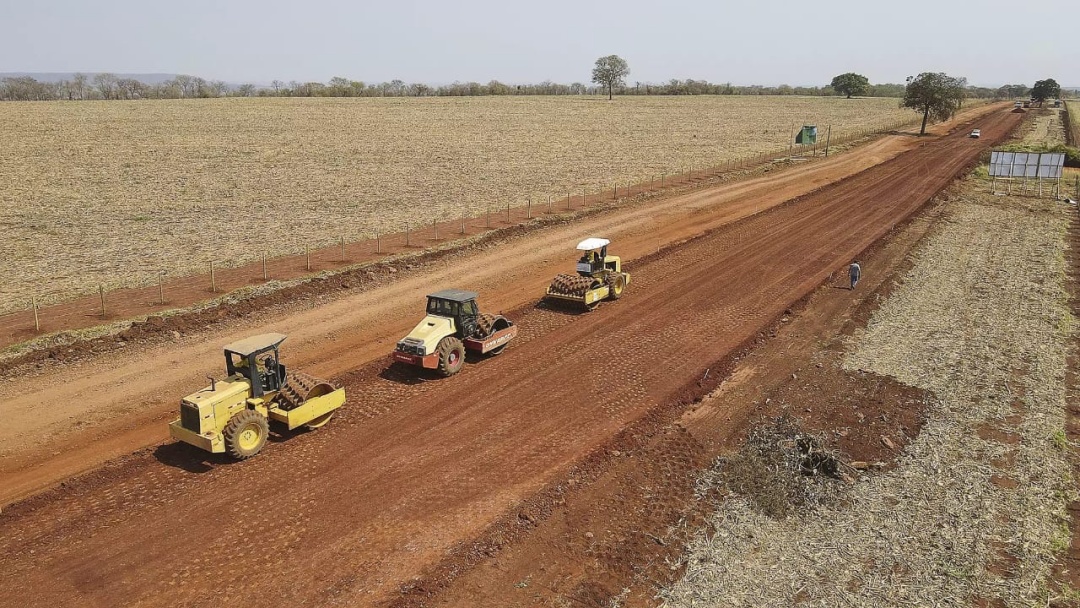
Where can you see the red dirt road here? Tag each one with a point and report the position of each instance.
(351, 512)
(63, 419)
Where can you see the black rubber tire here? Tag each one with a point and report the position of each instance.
(246, 421)
(616, 284)
(451, 356)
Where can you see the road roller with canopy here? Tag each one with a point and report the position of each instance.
(233, 415)
(599, 277)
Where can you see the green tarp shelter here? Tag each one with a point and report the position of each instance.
(808, 135)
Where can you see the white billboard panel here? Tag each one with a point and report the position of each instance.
(1026, 164)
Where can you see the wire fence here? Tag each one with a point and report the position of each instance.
(129, 298)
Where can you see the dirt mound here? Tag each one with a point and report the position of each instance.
(780, 468)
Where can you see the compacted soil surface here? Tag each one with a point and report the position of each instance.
(421, 485)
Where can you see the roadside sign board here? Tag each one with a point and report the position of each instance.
(1034, 165)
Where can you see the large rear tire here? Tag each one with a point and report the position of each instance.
(245, 434)
(616, 284)
(451, 356)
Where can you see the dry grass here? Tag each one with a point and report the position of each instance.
(1074, 122)
(114, 192)
(981, 320)
(1049, 125)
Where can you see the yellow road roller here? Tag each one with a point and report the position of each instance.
(233, 414)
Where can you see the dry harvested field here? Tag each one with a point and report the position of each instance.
(419, 478)
(114, 193)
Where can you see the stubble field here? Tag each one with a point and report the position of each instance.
(115, 193)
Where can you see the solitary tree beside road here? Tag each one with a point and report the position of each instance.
(851, 84)
(611, 72)
(1046, 89)
(935, 94)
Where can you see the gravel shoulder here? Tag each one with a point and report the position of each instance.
(975, 510)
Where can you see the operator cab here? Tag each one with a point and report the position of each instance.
(594, 256)
(456, 304)
(257, 359)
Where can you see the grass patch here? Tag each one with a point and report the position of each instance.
(1072, 155)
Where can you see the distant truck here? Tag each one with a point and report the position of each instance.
(975, 134)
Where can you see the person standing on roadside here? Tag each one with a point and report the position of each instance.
(855, 272)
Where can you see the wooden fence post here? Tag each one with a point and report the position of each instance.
(507, 213)
(101, 293)
(161, 288)
(528, 208)
(462, 222)
(378, 241)
(307, 257)
(37, 323)
(213, 279)
(266, 276)
(435, 227)
(408, 240)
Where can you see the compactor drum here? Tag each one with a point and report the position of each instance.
(599, 277)
(233, 414)
(453, 325)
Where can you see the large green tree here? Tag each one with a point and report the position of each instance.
(851, 84)
(1046, 89)
(611, 72)
(937, 95)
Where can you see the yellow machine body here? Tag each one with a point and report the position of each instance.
(599, 277)
(292, 399)
(312, 409)
(210, 409)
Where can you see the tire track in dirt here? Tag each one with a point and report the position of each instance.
(69, 414)
(412, 467)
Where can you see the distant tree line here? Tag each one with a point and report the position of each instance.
(111, 86)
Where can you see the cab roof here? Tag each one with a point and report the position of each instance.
(592, 243)
(454, 295)
(255, 344)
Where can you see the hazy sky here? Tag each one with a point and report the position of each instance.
(744, 42)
